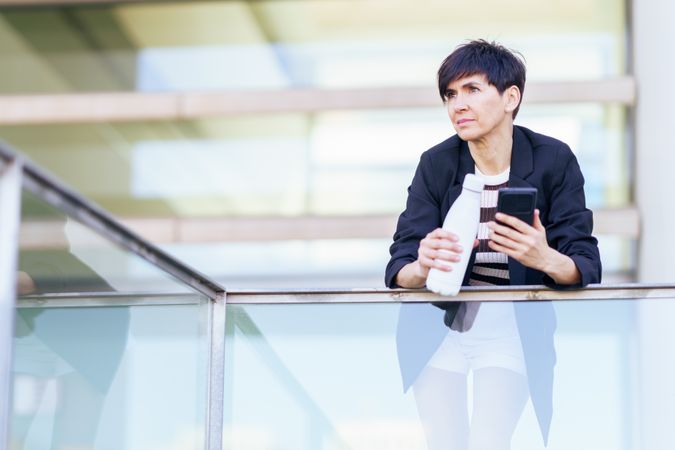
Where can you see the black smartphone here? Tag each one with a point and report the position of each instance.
(518, 202)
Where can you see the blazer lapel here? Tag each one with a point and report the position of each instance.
(465, 164)
(522, 164)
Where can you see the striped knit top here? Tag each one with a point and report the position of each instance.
(490, 267)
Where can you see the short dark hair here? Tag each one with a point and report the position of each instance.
(502, 67)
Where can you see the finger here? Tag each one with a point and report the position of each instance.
(431, 255)
(450, 246)
(447, 255)
(495, 246)
(435, 263)
(440, 233)
(537, 221)
(503, 230)
(508, 251)
(429, 263)
(476, 243)
(518, 242)
(513, 222)
(435, 245)
(443, 265)
(506, 242)
(425, 261)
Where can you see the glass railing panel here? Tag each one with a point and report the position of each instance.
(326, 375)
(110, 351)
(120, 373)
(577, 374)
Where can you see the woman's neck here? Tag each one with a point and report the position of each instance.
(492, 154)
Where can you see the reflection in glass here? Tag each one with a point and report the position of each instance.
(57, 254)
(77, 353)
(110, 377)
(95, 373)
(330, 377)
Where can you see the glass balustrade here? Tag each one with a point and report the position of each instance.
(112, 346)
(586, 373)
(109, 351)
(110, 375)
(304, 372)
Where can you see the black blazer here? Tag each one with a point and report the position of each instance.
(536, 161)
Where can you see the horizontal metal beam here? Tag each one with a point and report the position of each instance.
(104, 299)
(265, 228)
(34, 3)
(20, 4)
(625, 291)
(622, 222)
(130, 106)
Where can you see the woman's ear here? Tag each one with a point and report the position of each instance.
(511, 98)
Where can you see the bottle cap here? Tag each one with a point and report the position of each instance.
(473, 183)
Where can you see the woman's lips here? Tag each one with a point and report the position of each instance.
(463, 121)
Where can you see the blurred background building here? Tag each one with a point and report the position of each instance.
(270, 143)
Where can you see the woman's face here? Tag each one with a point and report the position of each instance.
(476, 109)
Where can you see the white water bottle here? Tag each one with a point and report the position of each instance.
(462, 220)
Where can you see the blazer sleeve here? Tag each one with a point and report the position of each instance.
(422, 214)
(570, 223)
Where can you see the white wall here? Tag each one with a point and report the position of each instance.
(654, 67)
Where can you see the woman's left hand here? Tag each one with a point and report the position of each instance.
(522, 242)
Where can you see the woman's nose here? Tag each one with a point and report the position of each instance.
(459, 102)
(460, 105)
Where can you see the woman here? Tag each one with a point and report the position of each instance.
(509, 347)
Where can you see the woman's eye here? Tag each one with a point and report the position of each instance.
(474, 89)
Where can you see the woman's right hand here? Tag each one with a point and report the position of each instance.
(439, 250)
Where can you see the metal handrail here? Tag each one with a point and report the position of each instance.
(623, 291)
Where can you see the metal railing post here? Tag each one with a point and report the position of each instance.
(216, 383)
(10, 217)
